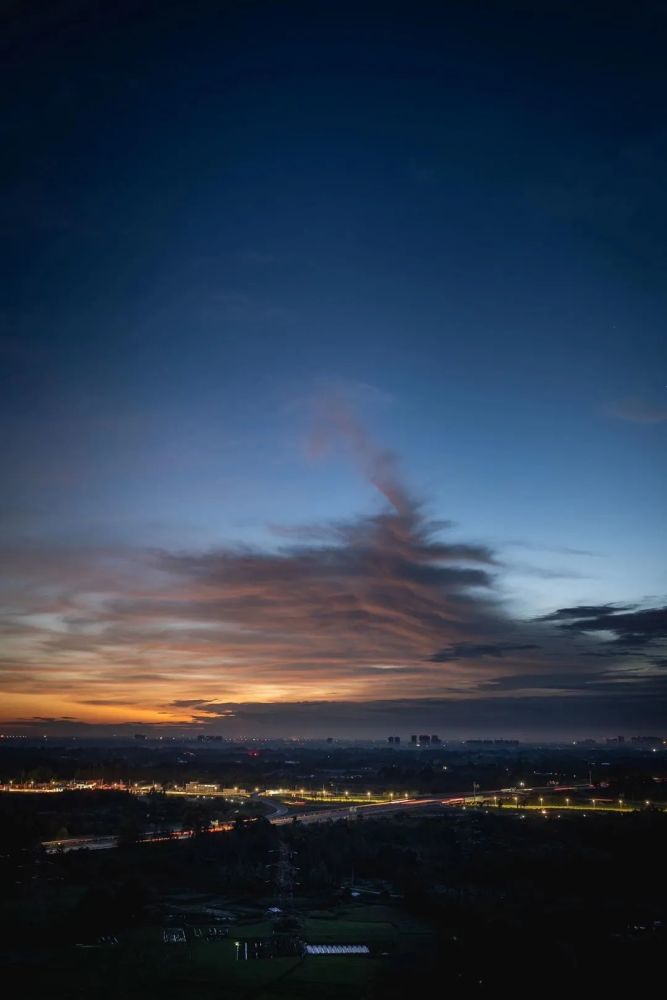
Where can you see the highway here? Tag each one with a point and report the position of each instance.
(281, 815)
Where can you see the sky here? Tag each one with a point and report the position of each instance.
(334, 368)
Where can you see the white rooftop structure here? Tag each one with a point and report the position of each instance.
(337, 949)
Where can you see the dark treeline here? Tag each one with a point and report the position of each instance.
(27, 820)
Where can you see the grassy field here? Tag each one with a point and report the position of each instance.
(142, 965)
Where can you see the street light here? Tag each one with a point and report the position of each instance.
(567, 802)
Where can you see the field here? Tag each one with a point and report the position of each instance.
(144, 965)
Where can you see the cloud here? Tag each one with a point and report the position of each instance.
(540, 714)
(381, 607)
(638, 411)
(582, 611)
(337, 424)
(580, 683)
(379, 590)
(189, 703)
(467, 651)
(53, 718)
(565, 550)
(544, 573)
(627, 624)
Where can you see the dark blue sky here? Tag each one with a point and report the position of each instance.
(247, 247)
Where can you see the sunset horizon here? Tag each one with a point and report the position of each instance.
(352, 395)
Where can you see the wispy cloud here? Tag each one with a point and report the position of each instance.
(380, 607)
(628, 624)
(638, 411)
(476, 651)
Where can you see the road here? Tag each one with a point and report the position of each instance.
(279, 818)
(105, 843)
(282, 815)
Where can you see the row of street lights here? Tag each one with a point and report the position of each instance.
(594, 802)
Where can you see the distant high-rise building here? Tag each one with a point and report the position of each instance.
(393, 739)
(435, 739)
(425, 740)
(414, 740)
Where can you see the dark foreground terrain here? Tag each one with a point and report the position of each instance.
(471, 902)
